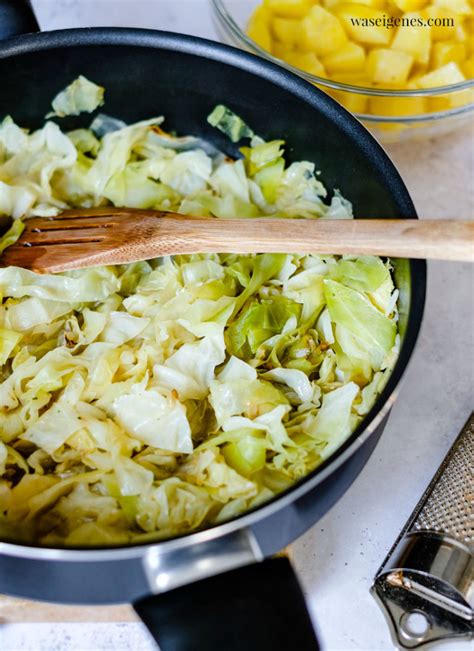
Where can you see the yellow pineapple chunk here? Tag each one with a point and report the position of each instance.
(462, 34)
(440, 103)
(414, 40)
(280, 50)
(410, 5)
(350, 58)
(446, 51)
(377, 4)
(461, 98)
(389, 67)
(261, 13)
(259, 28)
(460, 7)
(322, 32)
(361, 23)
(286, 30)
(468, 67)
(352, 78)
(413, 82)
(449, 74)
(394, 106)
(289, 8)
(444, 76)
(469, 31)
(453, 100)
(446, 21)
(306, 61)
(353, 102)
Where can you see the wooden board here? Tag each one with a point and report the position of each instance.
(20, 610)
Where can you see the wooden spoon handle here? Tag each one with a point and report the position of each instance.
(399, 238)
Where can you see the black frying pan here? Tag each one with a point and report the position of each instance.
(208, 590)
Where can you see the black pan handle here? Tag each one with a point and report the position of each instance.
(257, 607)
(17, 17)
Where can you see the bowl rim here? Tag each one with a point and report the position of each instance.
(232, 28)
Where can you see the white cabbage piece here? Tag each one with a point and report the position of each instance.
(324, 327)
(81, 96)
(154, 419)
(293, 378)
(121, 327)
(114, 154)
(187, 172)
(81, 286)
(12, 138)
(133, 478)
(190, 370)
(208, 468)
(241, 396)
(27, 171)
(270, 422)
(54, 427)
(34, 311)
(15, 201)
(235, 370)
(332, 425)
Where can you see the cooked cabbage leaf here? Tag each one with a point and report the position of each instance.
(229, 123)
(350, 309)
(12, 235)
(81, 96)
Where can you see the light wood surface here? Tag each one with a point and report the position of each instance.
(87, 238)
(21, 610)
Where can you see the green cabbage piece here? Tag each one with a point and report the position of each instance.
(260, 156)
(373, 331)
(258, 322)
(8, 341)
(229, 123)
(148, 400)
(364, 274)
(84, 141)
(12, 235)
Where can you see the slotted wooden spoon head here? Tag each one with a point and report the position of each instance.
(99, 236)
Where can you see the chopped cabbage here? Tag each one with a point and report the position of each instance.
(147, 400)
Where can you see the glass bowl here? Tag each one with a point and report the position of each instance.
(232, 17)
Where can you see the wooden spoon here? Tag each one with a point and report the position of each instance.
(104, 236)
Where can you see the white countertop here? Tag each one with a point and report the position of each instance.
(337, 559)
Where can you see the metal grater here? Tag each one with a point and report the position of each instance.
(426, 583)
